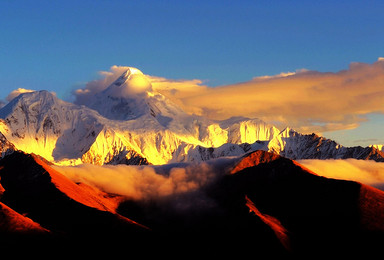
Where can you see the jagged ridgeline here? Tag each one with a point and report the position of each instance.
(130, 123)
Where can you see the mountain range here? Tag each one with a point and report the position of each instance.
(260, 201)
(129, 123)
(229, 186)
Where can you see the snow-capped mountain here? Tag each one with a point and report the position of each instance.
(292, 145)
(40, 123)
(130, 123)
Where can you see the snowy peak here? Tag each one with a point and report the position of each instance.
(40, 123)
(123, 78)
(128, 122)
(132, 82)
(146, 128)
(131, 97)
(34, 111)
(40, 101)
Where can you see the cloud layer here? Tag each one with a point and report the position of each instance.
(367, 172)
(141, 182)
(308, 101)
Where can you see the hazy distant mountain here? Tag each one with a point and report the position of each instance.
(131, 124)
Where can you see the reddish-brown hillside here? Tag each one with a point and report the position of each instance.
(265, 202)
(33, 188)
(317, 212)
(13, 222)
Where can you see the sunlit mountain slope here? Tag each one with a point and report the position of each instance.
(129, 123)
(261, 201)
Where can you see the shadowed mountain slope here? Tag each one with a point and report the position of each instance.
(279, 204)
(318, 212)
(34, 189)
(262, 201)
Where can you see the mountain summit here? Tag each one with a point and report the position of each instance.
(128, 122)
(131, 82)
(131, 97)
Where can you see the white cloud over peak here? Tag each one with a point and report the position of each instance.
(17, 92)
(309, 101)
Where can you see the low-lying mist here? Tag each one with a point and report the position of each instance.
(185, 194)
(147, 182)
(170, 196)
(364, 171)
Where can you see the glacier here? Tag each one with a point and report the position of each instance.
(130, 123)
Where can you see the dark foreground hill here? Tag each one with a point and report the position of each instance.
(264, 203)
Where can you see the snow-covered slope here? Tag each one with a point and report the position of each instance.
(292, 145)
(40, 123)
(126, 123)
(130, 123)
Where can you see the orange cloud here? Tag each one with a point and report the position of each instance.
(305, 100)
(141, 182)
(308, 101)
(17, 92)
(367, 172)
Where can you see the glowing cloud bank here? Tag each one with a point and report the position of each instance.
(367, 172)
(143, 182)
(309, 101)
(156, 182)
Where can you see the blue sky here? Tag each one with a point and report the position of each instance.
(60, 45)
